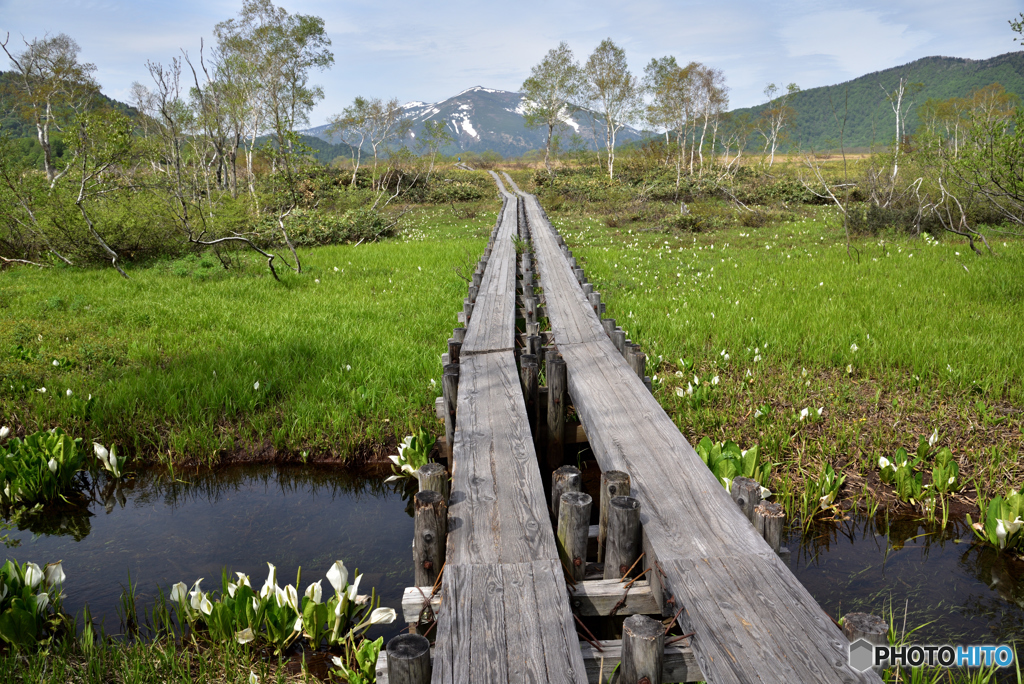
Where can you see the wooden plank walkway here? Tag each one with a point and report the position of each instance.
(753, 620)
(504, 606)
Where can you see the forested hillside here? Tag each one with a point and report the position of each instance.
(863, 101)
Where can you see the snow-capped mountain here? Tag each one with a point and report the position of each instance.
(481, 119)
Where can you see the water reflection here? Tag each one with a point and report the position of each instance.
(957, 591)
(163, 530)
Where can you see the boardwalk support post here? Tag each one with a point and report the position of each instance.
(613, 483)
(557, 382)
(768, 519)
(431, 530)
(643, 650)
(622, 546)
(529, 372)
(450, 392)
(565, 479)
(573, 525)
(866, 626)
(747, 494)
(433, 477)
(409, 659)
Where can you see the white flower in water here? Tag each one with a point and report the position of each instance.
(53, 574)
(765, 492)
(33, 575)
(934, 438)
(297, 627)
(5, 432)
(42, 600)
(383, 616)
(714, 380)
(826, 500)
(680, 392)
(854, 347)
(337, 575)
(689, 389)
(757, 414)
(1004, 528)
(353, 589)
(679, 374)
(884, 463)
(179, 592)
(205, 606)
(52, 465)
(196, 596)
(232, 588)
(243, 637)
(696, 381)
(804, 414)
(314, 592)
(243, 580)
(289, 596)
(68, 392)
(270, 586)
(256, 385)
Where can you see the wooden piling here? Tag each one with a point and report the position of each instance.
(587, 288)
(433, 477)
(534, 345)
(557, 383)
(431, 526)
(578, 272)
(747, 494)
(613, 483)
(529, 372)
(573, 525)
(622, 547)
(595, 302)
(619, 340)
(768, 519)
(408, 657)
(459, 335)
(467, 309)
(477, 279)
(565, 479)
(454, 350)
(637, 361)
(473, 292)
(643, 650)
(609, 326)
(450, 392)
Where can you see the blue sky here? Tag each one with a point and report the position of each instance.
(429, 51)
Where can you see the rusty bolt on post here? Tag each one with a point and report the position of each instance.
(428, 565)
(577, 561)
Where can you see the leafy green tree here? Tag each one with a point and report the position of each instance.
(611, 88)
(435, 135)
(52, 86)
(551, 91)
(775, 117)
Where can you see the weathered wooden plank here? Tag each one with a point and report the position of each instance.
(679, 664)
(497, 511)
(689, 521)
(510, 623)
(588, 598)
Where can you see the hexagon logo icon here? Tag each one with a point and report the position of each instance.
(861, 655)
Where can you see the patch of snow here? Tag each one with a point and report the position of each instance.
(413, 104)
(465, 106)
(468, 127)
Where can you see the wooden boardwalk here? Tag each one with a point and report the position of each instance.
(504, 607)
(753, 621)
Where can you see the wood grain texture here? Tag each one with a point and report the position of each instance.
(690, 523)
(508, 623)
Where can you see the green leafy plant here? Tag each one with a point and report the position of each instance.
(413, 452)
(366, 663)
(820, 492)
(727, 462)
(698, 392)
(1001, 524)
(30, 615)
(39, 468)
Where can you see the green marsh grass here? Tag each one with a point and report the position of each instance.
(903, 336)
(343, 355)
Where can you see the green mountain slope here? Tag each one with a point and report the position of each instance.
(869, 116)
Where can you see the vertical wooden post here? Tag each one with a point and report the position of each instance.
(595, 302)
(768, 520)
(622, 547)
(573, 525)
(459, 334)
(534, 345)
(637, 361)
(454, 351)
(609, 325)
(477, 278)
(557, 382)
(565, 479)
(473, 292)
(433, 478)
(643, 650)
(613, 483)
(467, 309)
(408, 657)
(578, 272)
(529, 370)
(587, 288)
(619, 340)
(747, 494)
(530, 304)
(450, 392)
(431, 525)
